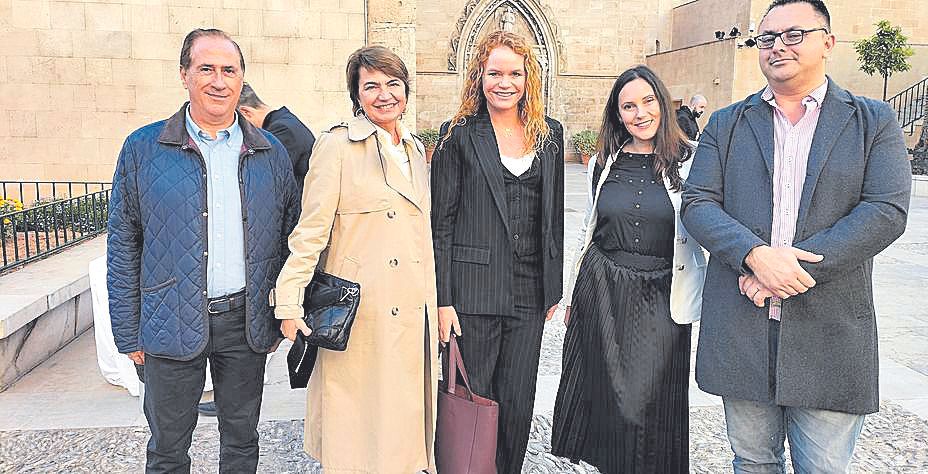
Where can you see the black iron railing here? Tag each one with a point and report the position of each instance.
(910, 105)
(31, 191)
(62, 214)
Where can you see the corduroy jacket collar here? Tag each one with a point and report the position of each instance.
(175, 132)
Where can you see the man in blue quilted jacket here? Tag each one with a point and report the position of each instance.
(200, 211)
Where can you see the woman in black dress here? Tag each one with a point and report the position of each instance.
(636, 285)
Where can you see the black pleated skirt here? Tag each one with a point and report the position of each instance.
(623, 403)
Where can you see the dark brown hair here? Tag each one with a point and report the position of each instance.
(817, 5)
(249, 98)
(199, 33)
(670, 144)
(377, 58)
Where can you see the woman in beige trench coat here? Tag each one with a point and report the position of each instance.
(371, 408)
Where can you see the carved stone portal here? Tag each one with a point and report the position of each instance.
(525, 17)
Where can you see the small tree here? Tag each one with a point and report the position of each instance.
(885, 52)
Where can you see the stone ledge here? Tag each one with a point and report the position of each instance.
(27, 294)
(919, 185)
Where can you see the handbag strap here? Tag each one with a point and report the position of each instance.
(454, 365)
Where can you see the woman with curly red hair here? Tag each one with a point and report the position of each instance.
(498, 226)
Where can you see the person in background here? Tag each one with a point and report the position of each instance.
(688, 114)
(286, 127)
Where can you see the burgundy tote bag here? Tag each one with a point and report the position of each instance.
(467, 422)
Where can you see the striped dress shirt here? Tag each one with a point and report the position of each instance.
(790, 157)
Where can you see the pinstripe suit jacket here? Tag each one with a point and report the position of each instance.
(470, 224)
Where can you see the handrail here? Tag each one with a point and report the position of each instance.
(30, 191)
(37, 232)
(909, 105)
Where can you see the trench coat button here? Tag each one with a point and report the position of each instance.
(637, 206)
(395, 311)
(204, 292)
(515, 237)
(681, 267)
(394, 262)
(205, 254)
(205, 214)
(391, 214)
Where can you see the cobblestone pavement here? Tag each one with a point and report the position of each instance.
(98, 428)
(893, 440)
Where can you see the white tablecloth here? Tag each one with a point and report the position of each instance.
(116, 368)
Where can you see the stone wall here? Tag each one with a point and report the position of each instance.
(392, 23)
(593, 40)
(696, 22)
(706, 70)
(693, 69)
(77, 77)
(43, 307)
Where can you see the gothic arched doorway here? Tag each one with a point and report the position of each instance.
(481, 17)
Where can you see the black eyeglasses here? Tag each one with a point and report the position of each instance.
(788, 37)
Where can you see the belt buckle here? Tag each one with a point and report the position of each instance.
(209, 305)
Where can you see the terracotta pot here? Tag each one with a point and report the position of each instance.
(428, 154)
(585, 159)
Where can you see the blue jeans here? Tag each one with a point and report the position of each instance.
(820, 441)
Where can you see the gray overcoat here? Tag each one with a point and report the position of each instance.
(854, 204)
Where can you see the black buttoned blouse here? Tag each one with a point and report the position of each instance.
(634, 212)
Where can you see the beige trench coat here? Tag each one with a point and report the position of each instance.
(370, 409)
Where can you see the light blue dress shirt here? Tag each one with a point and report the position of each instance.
(225, 270)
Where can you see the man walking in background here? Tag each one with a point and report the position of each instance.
(295, 136)
(687, 115)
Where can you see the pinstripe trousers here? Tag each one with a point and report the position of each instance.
(501, 356)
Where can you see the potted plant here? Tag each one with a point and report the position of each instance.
(429, 137)
(585, 143)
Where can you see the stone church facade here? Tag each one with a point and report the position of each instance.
(77, 76)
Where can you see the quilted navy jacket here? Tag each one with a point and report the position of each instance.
(157, 238)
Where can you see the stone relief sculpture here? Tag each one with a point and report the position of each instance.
(504, 14)
(507, 19)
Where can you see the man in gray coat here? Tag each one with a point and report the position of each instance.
(793, 191)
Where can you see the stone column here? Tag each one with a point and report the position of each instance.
(392, 23)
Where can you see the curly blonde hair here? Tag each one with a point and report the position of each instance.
(531, 106)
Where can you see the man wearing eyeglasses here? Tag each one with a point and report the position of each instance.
(794, 190)
(199, 215)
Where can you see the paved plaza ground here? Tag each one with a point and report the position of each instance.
(63, 417)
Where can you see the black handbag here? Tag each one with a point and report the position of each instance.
(329, 308)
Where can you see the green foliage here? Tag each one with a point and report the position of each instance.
(584, 142)
(9, 206)
(885, 52)
(429, 137)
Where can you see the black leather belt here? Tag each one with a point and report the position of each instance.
(224, 304)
